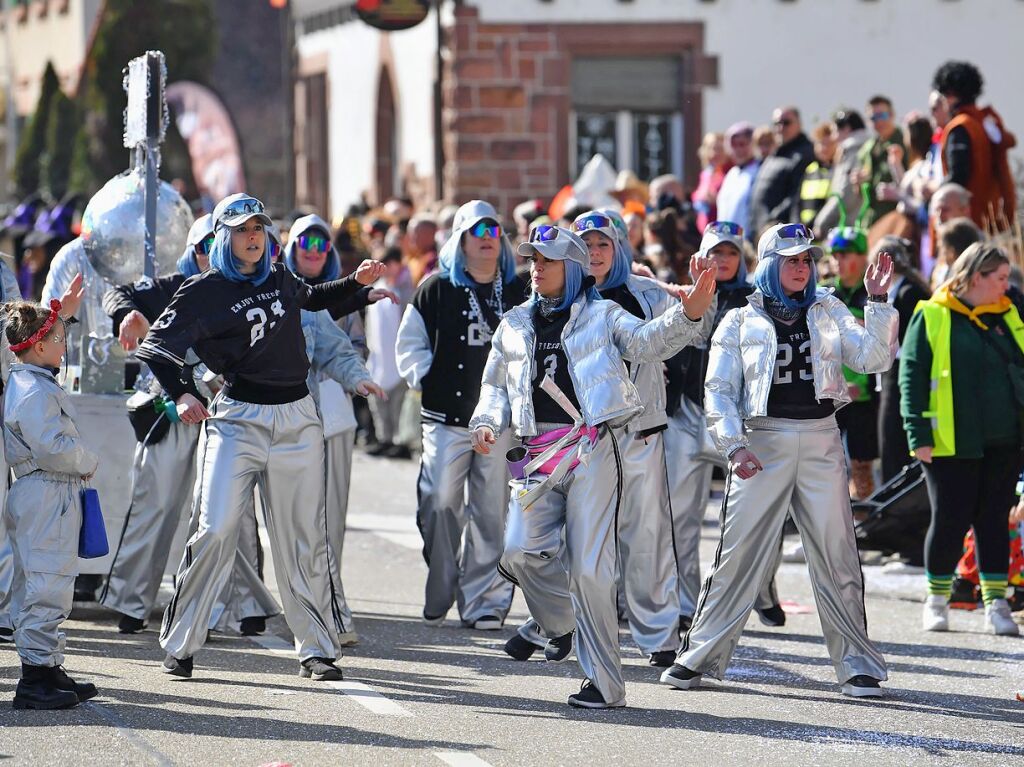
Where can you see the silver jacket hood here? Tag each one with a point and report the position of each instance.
(741, 363)
(598, 336)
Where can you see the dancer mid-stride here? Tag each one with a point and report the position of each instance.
(557, 375)
(774, 381)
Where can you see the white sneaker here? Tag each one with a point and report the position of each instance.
(935, 615)
(794, 553)
(999, 620)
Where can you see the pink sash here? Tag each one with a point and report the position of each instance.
(537, 445)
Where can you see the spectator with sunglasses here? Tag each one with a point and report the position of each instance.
(776, 193)
(873, 157)
(851, 133)
(443, 342)
(773, 385)
(557, 377)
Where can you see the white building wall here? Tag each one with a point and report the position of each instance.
(819, 54)
(353, 52)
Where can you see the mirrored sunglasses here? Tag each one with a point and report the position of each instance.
(795, 232)
(727, 228)
(251, 206)
(486, 227)
(203, 247)
(593, 221)
(544, 233)
(314, 242)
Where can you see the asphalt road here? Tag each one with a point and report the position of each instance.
(435, 696)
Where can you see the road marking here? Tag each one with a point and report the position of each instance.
(461, 759)
(400, 530)
(360, 693)
(124, 730)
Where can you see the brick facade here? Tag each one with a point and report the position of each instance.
(507, 99)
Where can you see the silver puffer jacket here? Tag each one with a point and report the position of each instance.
(649, 377)
(39, 426)
(741, 366)
(597, 337)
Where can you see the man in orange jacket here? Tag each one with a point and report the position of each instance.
(974, 147)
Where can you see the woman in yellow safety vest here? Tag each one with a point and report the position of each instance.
(962, 388)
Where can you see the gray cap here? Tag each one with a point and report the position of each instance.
(718, 232)
(238, 208)
(788, 240)
(557, 244)
(200, 230)
(473, 211)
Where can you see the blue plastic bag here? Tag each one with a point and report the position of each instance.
(92, 539)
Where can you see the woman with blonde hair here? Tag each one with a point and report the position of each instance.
(715, 163)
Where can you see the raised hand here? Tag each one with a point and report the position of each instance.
(697, 298)
(72, 298)
(878, 276)
(369, 272)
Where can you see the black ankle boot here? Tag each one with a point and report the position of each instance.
(60, 679)
(37, 691)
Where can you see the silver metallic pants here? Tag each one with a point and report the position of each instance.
(804, 465)
(6, 552)
(462, 501)
(163, 476)
(279, 447)
(585, 505)
(338, 452)
(647, 561)
(387, 413)
(689, 482)
(44, 517)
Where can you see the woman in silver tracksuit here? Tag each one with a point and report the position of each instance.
(242, 318)
(43, 512)
(775, 378)
(567, 336)
(647, 563)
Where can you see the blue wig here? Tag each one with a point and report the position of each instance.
(574, 277)
(224, 261)
(332, 266)
(622, 265)
(186, 263)
(452, 262)
(766, 279)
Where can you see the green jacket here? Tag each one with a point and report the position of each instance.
(985, 412)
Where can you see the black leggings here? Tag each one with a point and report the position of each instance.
(966, 492)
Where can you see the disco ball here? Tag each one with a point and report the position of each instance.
(113, 228)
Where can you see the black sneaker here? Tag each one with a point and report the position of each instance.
(589, 697)
(772, 616)
(662, 658)
(320, 670)
(178, 666)
(559, 648)
(379, 449)
(129, 625)
(519, 648)
(401, 452)
(681, 677)
(252, 626)
(862, 686)
(84, 690)
(1016, 602)
(964, 594)
(36, 691)
(6, 635)
(488, 623)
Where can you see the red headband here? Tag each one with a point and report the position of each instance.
(40, 334)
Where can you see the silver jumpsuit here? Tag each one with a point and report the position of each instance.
(10, 292)
(43, 510)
